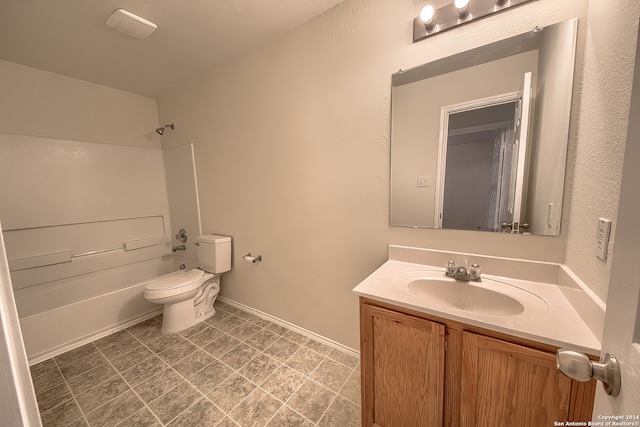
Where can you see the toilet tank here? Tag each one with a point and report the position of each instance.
(214, 253)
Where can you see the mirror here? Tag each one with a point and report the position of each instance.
(479, 139)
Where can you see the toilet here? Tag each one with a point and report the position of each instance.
(188, 295)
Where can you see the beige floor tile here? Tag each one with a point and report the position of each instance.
(304, 360)
(202, 413)
(259, 368)
(283, 382)
(193, 363)
(43, 368)
(75, 354)
(208, 378)
(331, 374)
(311, 400)
(261, 376)
(344, 358)
(287, 417)
(221, 346)
(351, 389)
(142, 418)
(97, 395)
(61, 415)
(157, 385)
(80, 366)
(115, 411)
(341, 413)
(174, 402)
(53, 396)
(91, 378)
(239, 356)
(205, 336)
(228, 394)
(282, 349)
(262, 339)
(256, 410)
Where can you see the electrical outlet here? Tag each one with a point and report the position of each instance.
(602, 240)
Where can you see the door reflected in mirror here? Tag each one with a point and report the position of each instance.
(479, 139)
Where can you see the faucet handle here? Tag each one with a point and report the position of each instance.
(474, 272)
(451, 269)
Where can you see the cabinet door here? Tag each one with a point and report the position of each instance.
(402, 369)
(508, 384)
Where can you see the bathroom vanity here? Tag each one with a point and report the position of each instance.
(430, 357)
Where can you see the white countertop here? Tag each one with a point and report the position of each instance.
(560, 325)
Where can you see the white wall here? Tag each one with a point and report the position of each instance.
(40, 103)
(598, 150)
(292, 152)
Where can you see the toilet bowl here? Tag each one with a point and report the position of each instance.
(188, 295)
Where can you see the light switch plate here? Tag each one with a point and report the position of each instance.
(424, 180)
(602, 242)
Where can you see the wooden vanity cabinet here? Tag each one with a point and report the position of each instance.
(404, 367)
(420, 370)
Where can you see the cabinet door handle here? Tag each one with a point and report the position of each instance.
(577, 366)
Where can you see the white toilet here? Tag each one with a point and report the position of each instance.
(188, 295)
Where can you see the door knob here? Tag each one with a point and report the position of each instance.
(577, 366)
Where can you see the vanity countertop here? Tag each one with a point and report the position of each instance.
(560, 325)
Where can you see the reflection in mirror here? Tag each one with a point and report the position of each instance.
(479, 139)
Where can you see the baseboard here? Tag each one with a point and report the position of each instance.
(63, 348)
(324, 340)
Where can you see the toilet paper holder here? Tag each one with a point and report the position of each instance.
(252, 259)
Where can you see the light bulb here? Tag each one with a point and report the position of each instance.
(463, 8)
(427, 15)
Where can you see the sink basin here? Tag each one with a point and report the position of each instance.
(466, 296)
(490, 297)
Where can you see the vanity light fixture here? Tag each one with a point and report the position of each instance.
(427, 16)
(463, 8)
(433, 21)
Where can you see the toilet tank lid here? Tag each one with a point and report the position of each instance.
(213, 238)
(176, 279)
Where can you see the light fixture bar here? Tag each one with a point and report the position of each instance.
(451, 16)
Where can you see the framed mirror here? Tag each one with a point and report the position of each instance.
(479, 139)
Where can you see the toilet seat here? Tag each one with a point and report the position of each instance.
(175, 283)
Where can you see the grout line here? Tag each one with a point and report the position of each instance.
(226, 414)
(130, 388)
(73, 395)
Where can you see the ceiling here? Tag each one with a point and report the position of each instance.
(70, 37)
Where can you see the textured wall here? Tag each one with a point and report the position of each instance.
(602, 129)
(292, 153)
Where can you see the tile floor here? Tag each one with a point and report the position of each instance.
(235, 369)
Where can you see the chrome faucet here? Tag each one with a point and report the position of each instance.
(461, 273)
(179, 248)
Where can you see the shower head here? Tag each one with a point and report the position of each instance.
(161, 130)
